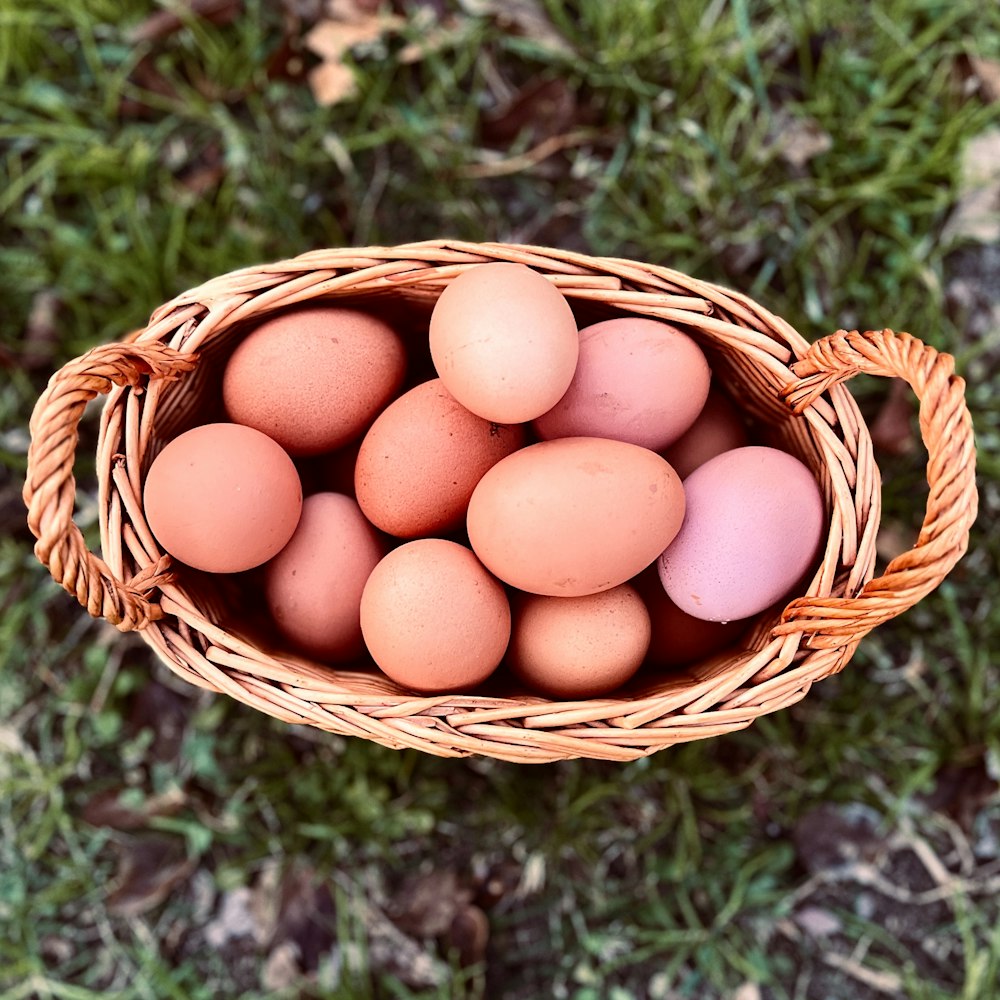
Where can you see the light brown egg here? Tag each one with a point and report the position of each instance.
(504, 342)
(574, 516)
(422, 458)
(718, 428)
(222, 498)
(433, 619)
(314, 378)
(579, 647)
(313, 586)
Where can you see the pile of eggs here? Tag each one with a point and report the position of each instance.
(566, 504)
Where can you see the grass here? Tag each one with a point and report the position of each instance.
(676, 876)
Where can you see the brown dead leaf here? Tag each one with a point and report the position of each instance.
(977, 75)
(892, 429)
(977, 212)
(156, 707)
(541, 109)
(830, 836)
(111, 808)
(962, 791)
(146, 77)
(306, 915)
(426, 904)
(149, 869)
(468, 936)
(164, 23)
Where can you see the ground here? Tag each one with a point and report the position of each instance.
(837, 163)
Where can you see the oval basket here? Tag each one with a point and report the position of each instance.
(165, 378)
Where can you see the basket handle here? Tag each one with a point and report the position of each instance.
(952, 504)
(50, 488)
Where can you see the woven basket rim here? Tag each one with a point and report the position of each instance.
(154, 378)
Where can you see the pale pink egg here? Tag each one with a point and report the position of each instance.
(637, 380)
(753, 526)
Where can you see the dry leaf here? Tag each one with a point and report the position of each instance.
(281, 968)
(332, 38)
(797, 140)
(41, 336)
(818, 922)
(522, 17)
(468, 936)
(164, 23)
(977, 213)
(977, 75)
(542, 108)
(331, 83)
(107, 808)
(235, 919)
(149, 869)
(426, 904)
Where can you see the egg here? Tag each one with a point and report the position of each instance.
(676, 637)
(574, 516)
(222, 498)
(504, 342)
(637, 380)
(422, 458)
(313, 378)
(579, 647)
(753, 526)
(313, 586)
(433, 619)
(718, 428)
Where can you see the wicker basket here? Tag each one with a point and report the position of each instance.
(165, 378)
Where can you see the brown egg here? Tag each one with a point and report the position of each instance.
(574, 516)
(718, 428)
(222, 498)
(313, 586)
(433, 619)
(579, 647)
(504, 341)
(422, 458)
(314, 378)
(678, 638)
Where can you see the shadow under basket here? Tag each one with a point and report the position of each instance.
(165, 378)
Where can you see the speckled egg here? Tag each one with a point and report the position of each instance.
(423, 457)
(579, 647)
(433, 619)
(313, 378)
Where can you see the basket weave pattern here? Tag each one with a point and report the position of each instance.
(165, 378)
